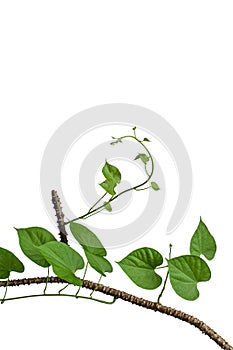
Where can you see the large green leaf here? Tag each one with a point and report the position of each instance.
(139, 266)
(32, 237)
(87, 239)
(185, 272)
(203, 242)
(98, 263)
(64, 260)
(93, 248)
(9, 262)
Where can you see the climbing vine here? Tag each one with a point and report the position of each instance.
(141, 265)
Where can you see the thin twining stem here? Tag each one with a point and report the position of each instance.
(59, 292)
(95, 204)
(118, 294)
(84, 275)
(4, 297)
(60, 295)
(166, 278)
(46, 283)
(113, 198)
(97, 283)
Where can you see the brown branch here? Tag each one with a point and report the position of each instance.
(118, 294)
(60, 217)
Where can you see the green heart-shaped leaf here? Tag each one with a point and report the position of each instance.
(87, 239)
(203, 242)
(93, 248)
(111, 173)
(98, 263)
(185, 272)
(139, 266)
(64, 260)
(144, 158)
(109, 186)
(32, 237)
(112, 176)
(9, 262)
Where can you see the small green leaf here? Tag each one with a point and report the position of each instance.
(87, 239)
(146, 139)
(113, 177)
(111, 173)
(32, 237)
(155, 186)
(134, 128)
(9, 262)
(108, 186)
(139, 266)
(203, 242)
(107, 206)
(98, 263)
(144, 158)
(117, 140)
(64, 260)
(185, 272)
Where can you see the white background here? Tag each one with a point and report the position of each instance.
(60, 57)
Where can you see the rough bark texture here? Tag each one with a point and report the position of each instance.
(60, 217)
(118, 294)
(115, 293)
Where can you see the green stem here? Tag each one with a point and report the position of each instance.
(166, 278)
(94, 211)
(161, 267)
(98, 300)
(97, 202)
(87, 216)
(146, 171)
(4, 297)
(134, 131)
(46, 283)
(164, 286)
(142, 189)
(59, 292)
(95, 288)
(84, 275)
(59, 295)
